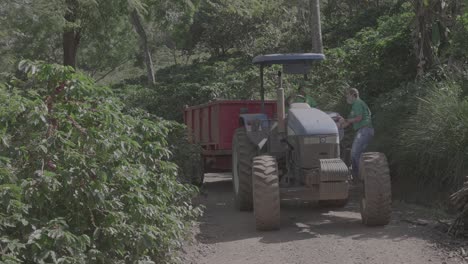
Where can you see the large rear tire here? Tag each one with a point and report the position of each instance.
(266, 193)
(243, 152)
(376, 204)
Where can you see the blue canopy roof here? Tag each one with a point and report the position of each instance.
(293, 58)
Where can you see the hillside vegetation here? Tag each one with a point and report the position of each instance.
(92, 148)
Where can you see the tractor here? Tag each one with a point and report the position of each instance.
(296, 156)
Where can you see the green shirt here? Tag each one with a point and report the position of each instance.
(309, 100)
(360, 108)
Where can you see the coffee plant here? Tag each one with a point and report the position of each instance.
(82, 181)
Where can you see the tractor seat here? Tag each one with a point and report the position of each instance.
(300, 106)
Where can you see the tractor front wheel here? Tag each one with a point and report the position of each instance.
(376, 202)
(266, 193)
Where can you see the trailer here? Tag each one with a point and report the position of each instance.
(212, 126)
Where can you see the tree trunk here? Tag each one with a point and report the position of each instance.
(71, 40)
(71, 35)
(138, 26)
(423, 34)
(315, 26)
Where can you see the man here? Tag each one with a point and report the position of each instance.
(360, 117)
(305, 98)
(299, 97)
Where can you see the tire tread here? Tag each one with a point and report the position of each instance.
(266, 193)
(375, 174)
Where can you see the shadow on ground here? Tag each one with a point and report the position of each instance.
(223, 223)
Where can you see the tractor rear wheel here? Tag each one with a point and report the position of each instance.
(266, 193)
(377, 199)
(243, 152)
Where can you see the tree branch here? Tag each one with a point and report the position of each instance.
(112, 70)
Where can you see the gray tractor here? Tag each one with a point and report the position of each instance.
(296, 156)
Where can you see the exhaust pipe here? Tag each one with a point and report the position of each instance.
(280, 105)
(315, 26)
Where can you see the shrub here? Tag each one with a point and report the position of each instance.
(80, 180)
(433, 144)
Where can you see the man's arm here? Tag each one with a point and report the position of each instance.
(359, 112)
(350, 121)
(357, 119)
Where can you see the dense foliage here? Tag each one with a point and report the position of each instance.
(443, 114)
(82, 181)
(182, 85)
(86, 171)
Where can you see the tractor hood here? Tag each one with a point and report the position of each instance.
(304, 121)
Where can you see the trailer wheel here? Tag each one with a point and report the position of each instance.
(266, 193)
(377, 198)
(242, 153)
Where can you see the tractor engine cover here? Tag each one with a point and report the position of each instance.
(306, 121)
(313, 135)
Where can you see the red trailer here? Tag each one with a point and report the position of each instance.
(212, 126)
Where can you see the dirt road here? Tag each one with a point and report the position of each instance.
(308, 235)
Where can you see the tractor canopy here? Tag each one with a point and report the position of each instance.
(293, 58)
(293, 63)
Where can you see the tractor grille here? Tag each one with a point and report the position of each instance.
(333, 170)
(312, 149)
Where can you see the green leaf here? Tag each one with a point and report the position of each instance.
(36, 235)
(4, 159)
(43, 148)
(96, 233)
(56, 233)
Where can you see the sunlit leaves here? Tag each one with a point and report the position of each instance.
(81, 181)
